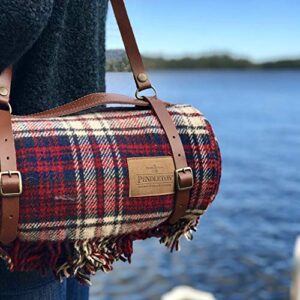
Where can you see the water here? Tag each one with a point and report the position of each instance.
(244, 243)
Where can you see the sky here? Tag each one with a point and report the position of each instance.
(254, 29)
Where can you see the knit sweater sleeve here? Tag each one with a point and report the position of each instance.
(21, 23)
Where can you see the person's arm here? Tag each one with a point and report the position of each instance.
(21, 23)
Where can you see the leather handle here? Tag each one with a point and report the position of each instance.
(88, 102)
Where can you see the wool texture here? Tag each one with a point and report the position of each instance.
(76, 216)
(57, 49)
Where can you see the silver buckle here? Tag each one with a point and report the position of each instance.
(186, 169)
(10, 173)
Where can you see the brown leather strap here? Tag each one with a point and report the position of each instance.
(88, 102)
(10, 179)
(183, 175)
(140, 76)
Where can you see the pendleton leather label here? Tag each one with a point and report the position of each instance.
(151, 176)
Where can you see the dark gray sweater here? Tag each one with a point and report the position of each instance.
(57, 48)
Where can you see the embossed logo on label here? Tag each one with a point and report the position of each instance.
(151, 176)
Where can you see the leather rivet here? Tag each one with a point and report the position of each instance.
(3, 91)
(142, 77)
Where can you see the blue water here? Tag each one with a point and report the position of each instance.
(244, 244)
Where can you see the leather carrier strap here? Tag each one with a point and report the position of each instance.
(87, 102)
(10, 178)
(184, 179)
(140, 76)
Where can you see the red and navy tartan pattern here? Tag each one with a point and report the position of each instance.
(75, 174)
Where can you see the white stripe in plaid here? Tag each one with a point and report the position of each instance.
(76, 177)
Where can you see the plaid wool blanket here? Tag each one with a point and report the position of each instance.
(76, 215)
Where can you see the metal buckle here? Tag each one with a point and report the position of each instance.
(186, 169)
(10, 173)
(139, 97)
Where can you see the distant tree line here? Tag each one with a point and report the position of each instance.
(116, 60)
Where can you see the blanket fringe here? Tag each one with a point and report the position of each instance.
(82, 258)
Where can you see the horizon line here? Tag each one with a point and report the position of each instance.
(201, 54)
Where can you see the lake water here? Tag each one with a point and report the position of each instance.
(244, 244)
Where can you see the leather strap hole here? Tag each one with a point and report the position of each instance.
(7, 157)
(5, 140)
(11, 217)
(174, 137)
(179, 154)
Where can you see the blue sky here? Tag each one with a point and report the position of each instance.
(257, 29)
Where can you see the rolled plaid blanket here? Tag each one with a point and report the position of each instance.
(76, 212)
